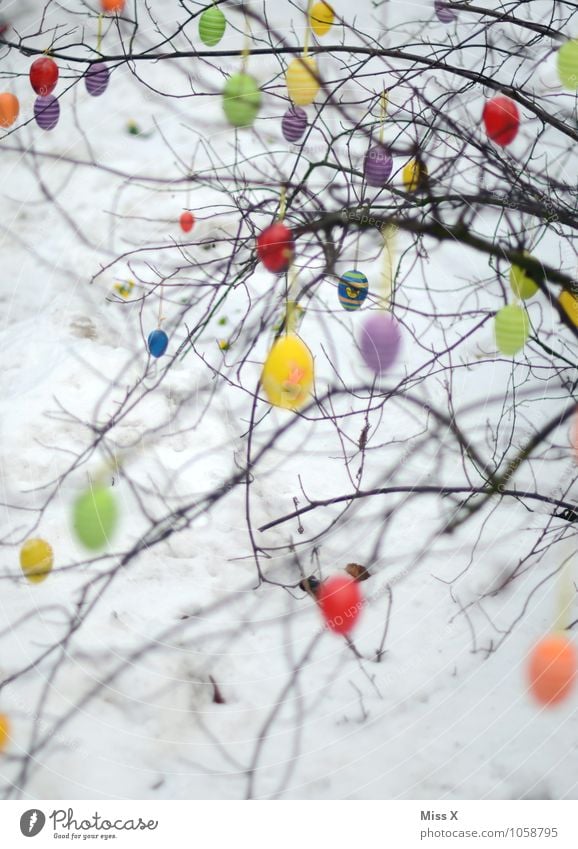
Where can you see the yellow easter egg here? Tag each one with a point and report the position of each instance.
(569, 304)
(301, 83)
(412, 175)
(321, 18)
(36, 560)
(521, 284)
(4, 731)
(287, 376)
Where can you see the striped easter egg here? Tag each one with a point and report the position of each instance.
(352, 290)
(445, 14)
(377, 166)
(567, 61)
(512, 328)
(212, 25)
(380, 341)
(294, 123)
(47, 112)
(96, 79)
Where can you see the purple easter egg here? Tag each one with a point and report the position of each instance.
(96, 79)
(294, 123)
(380, 341)
(47, 112)
(377, 166)
(445, 14)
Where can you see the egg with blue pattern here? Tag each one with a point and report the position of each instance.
(352, 290)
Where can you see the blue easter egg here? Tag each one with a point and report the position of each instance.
(352, 290)
(157, 343)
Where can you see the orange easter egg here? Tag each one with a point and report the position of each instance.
(9, 109)
(4, 731)
(112, 5)
(552, 669)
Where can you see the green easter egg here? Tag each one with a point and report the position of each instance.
(521, 284)
(212, 25)
(95, 517)
(568, 64)
(512, 328)
(241, 100)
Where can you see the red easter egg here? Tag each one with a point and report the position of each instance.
(340, 601)
(552, 669)
(187, 220)
(501, 120)
(275, 247)
(112, 5)
(43, 75)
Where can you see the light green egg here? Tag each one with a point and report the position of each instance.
(568, 64)
(521, 284)
(241, 100)
(212, 25)
(95, 517)
(512, 328)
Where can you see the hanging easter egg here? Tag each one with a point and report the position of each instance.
(413, 175)
(96, 79)
(294, 123)
(157, 343)
(340, 601)
(552, 669)
(275, 247)
(241, 100)
(321, 18)
(377, 166)
(212, 25)
(352, 290)
(47, 112)
(95, 517)
(112, 5)
(521, 283)
(567, 62)
(187, 221)
(501, 120)
(4, 732)
(512, 328)
(444, 13)
(287, 376)
(9, 109)
(569, 303)
(43, 75)
(302, 85)
(380, 341)
(36, 560)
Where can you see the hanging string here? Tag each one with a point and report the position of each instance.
(307, 30)
(565, 593)
(246, 52)
(383, 111)
(388, 232)
(99, 33)
(161, 316)
(291, 307)
(282, 202)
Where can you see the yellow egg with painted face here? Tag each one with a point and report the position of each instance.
(287, 376)
(301, 83)
(321, 18)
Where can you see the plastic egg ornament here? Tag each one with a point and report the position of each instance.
(212, 26)
(567, 63)
(95, 517)
(380, 341)
(288, 374)
(552, 669)
(9, 109)
(276, 247)
(43, 75)
(521, 283)
(36, 560)
(157, 343)
(112, 5)
(340, 601)
(501, 119)
(512, 328)
(569, 303)
(444, 14)
(241, 100)
(321, 18)
(294, 124)
(377, 166)
(413, 175)
(47, 112)
(96, 79)
(302, 84)
(4, 732)
(352, 290)
(187, 221)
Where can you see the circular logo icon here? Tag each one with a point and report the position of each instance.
(32, 822)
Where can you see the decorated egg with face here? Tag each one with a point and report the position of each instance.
(352, 290)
